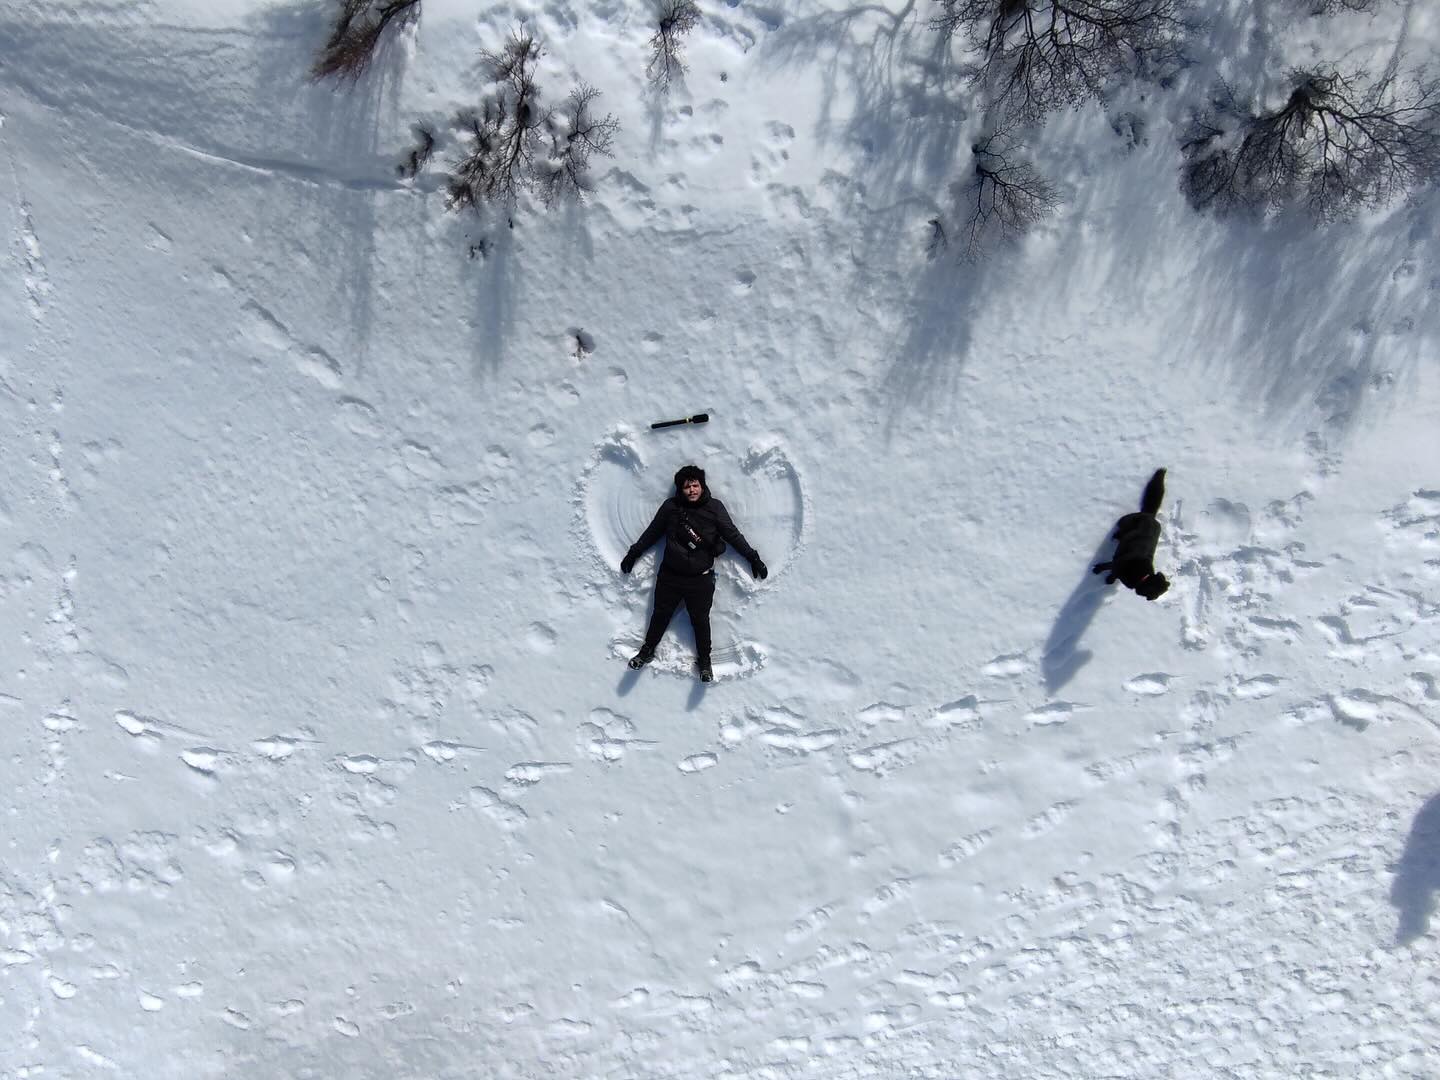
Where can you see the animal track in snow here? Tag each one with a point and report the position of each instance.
(1417, 520)
(1007, 667)
(1109, 769)
(541, 638)
(1424, 685)
(1343, 643)
(267, 330)
(148, 728)
(886, 895)
(607, 735)
(280, 747)
(1151, 684)
(529, 773)
(883, 757)
(507, 814)
(159, 240)
(1361, 708)
(1056, 712)
(880, 713)
(1284, 629)
(204, 760)
(37, 279)
(795, 741)
(359, 418)
(809, 923)
(773, 153)
(359, 764)
(1048, 818)
(441, 750)
(1255, 687)
(957, 716)
(965, 848)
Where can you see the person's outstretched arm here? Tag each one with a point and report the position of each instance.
(653, 532)
(731, 535)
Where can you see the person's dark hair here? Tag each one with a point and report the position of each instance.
(689, 472)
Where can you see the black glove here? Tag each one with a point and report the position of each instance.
(757, 568)
(628, 562)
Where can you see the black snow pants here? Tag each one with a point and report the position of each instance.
(698, 592)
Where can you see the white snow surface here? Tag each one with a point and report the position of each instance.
(320, 756)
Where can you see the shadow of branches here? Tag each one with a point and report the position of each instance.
(1307, 328)
(345, 128)
(907, 121)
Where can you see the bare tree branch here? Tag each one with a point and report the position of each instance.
(1041, 55)
(676, 18)
(938, 240)
(575, 134)
(1334, 7)
(420, 153)
(1336, 145)
(506, 147)
(1005, 195)
(359, 27)
(505, 133)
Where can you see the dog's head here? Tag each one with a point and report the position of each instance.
(1153, 587)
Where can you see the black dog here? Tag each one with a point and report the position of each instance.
(1135, 538)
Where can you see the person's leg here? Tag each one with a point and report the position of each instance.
(1154, 493)
(667, 599)
(698, 599)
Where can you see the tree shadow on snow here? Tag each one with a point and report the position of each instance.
(496, 269)
(908, 115)
(329, 137)
(1309, 326)
(908, 128)
(1417, 877)
(1061, 659)
(925, 372)
(1323, 320)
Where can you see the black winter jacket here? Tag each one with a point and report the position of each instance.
(1135, 538)
(695, 533)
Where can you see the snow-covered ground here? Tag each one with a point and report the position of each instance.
(321, 758)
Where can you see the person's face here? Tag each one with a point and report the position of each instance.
(691, 490)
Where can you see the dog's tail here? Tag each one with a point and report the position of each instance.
(1154, 493)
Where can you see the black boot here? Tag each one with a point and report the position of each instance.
(643, 657)
(706, 675)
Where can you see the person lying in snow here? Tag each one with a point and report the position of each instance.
(1135, 538)
(696, 527)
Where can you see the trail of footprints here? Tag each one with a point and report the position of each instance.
(1234, 604)
(1228, 600)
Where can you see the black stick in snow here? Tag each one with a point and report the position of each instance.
(698, 418)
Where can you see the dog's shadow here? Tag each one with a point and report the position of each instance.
(1062, 658)
(1417, 877)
